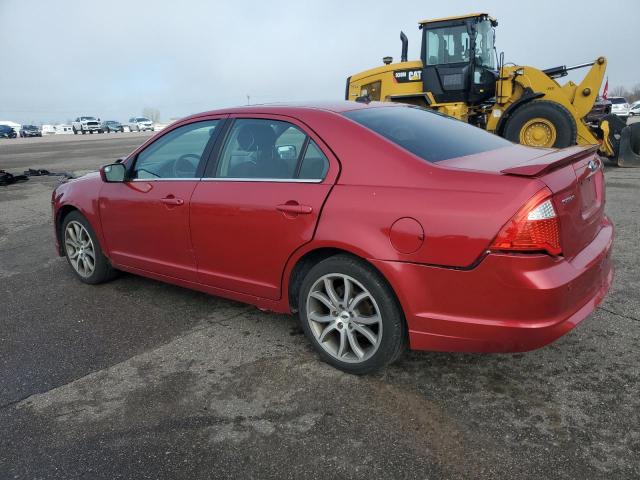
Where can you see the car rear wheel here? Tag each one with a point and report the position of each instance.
(351, 316)
(83, 251)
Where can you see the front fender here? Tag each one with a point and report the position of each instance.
(83, 195)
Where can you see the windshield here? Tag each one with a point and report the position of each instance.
(87, 118)
(142, 119)
(617, 100)
(425, 133)
(485, 54)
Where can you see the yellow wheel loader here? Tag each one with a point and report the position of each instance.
(459, 74)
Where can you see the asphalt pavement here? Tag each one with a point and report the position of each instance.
(136, 379)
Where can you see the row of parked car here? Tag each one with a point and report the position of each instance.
(80, 125)
(85, 125)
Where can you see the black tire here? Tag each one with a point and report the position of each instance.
(84, 132)
(103, 271)
(75, 132)
(394, 335)
(559, 116)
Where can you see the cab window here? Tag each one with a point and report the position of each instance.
(447, 45)
(176, 154)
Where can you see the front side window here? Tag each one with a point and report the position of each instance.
(176, 154)
(263, 149)
(425, 133)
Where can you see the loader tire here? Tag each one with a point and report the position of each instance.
(542, 123)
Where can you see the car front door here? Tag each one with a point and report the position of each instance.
(258, 203)
(146, 219)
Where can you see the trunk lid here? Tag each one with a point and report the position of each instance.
(574, 176)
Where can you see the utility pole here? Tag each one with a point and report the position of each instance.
(248, 99)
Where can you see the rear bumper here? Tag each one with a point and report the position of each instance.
(508, 303)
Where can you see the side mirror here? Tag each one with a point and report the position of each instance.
(113, 173)
(287, 152)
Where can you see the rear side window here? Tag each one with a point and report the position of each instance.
(429, 135)
(264, 149)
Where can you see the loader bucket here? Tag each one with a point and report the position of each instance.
(629, 150)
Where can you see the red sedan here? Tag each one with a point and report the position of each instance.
(381, 225)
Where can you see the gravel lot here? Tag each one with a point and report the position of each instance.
(137, 379)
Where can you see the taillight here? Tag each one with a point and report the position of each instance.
(534, 228)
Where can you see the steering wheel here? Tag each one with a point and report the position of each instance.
(186, 165)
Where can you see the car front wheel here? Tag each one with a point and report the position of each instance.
(83, 251)
(351, 315)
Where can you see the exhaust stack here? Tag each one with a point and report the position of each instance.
(405, 46)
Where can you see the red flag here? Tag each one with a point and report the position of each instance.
(605, 91)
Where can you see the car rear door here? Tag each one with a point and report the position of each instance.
(259, 202)
(146, 218)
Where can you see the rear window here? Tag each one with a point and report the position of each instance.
(617, 100)
(429, 135)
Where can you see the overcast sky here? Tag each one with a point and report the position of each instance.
(60, 59)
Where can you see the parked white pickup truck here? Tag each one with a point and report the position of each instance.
(86, 124)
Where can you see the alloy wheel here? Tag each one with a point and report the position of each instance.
(344, 318)
(80, 249)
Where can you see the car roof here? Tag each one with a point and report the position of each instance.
(296, 108)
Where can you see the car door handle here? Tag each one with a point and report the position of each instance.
(294, 208)
(171, 200)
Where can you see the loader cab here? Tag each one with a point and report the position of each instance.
(459, 58)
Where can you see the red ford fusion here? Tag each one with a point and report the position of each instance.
(381, 225)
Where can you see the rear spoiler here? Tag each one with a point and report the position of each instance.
(551, 161)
